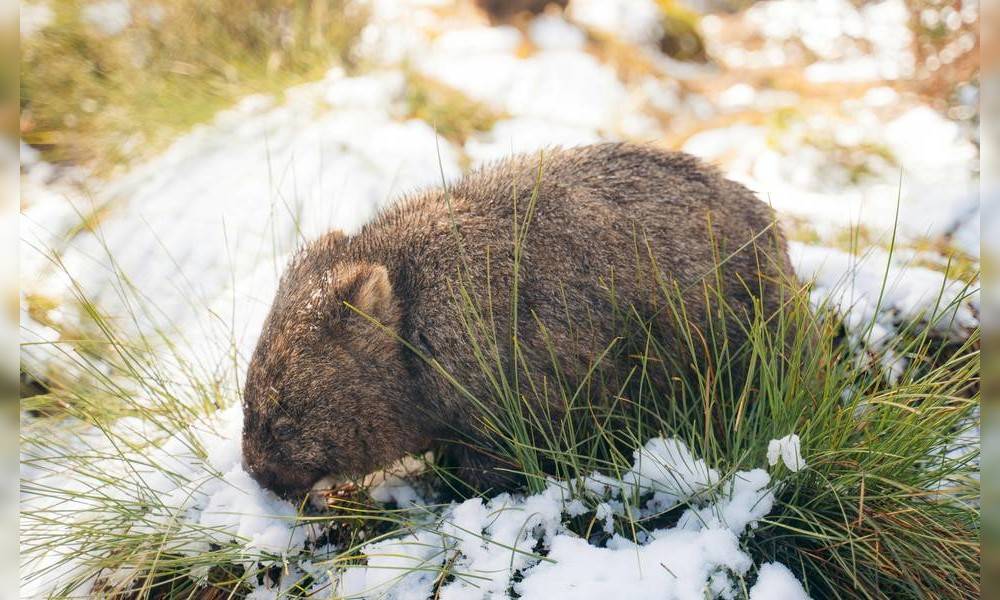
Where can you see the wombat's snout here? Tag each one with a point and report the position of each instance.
(286, 481)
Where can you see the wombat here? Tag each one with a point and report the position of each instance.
(347, 374)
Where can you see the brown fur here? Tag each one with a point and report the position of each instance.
(329, 393)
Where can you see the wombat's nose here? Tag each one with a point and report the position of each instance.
(287, 483)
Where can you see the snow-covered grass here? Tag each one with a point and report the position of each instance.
(816, 474)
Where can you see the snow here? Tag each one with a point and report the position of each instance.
(745, 500)
(930, 177)
(666, 467)
(675, 564)
(776, 582)
(486, 543)
(395, 490)
(401, 568)
(34, 17)
(588, 96)
(871, 42)
(886, 290)
(374, 91)
(201, 500)
(550, 32)
(110, 17)
(257, 182)
(634, 21)
(740, 95)
(878, 294)
(524, 134)
(788, 450)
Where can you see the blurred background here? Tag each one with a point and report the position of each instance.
(173, 153)
(186, 147)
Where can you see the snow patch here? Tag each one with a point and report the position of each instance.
(34, 17)
(776, 582)
(110, 17)
(491, 545)
(551, 32)
(878, 293)
(525, 135)
(488, 543)
(569, 88)
(788, 450)
(205, 229)
(633, 21)
(923, 166)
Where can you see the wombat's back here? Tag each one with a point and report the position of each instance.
(597, 227)
(617, 206)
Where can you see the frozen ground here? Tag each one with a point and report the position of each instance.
(193, 241)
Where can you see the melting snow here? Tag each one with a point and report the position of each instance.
(110, 17)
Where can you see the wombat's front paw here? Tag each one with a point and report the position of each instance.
(328, 493)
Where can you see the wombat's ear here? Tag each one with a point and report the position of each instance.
(366, 288)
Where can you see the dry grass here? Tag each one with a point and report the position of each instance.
(106, 98)
(454, 115)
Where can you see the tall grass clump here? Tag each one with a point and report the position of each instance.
(888, 506)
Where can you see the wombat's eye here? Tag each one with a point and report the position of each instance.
(283, 429)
